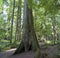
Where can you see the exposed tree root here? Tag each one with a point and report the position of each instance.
(21, 48)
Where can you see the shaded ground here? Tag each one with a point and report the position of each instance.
(7, 53)
(50, 53)
(24, 55)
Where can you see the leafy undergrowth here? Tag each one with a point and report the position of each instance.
(5, 45)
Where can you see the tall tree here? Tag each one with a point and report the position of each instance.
(29, 39)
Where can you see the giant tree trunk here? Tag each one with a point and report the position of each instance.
(29, 39)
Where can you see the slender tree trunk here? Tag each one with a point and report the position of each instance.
(18, 23)
(8, 22)
(12, 21)
(54, 30)
(29, 39)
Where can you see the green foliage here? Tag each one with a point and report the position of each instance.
(43, 12)
(1, 3)
(14, 45)
(4, 45)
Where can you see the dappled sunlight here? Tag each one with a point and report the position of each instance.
(48, 42)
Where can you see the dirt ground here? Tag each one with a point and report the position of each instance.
(50, 53)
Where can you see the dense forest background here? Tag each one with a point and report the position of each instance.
(16, 18)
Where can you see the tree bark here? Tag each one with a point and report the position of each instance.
(12, 21)
(18, 23)
(54, 30)
(29, 39)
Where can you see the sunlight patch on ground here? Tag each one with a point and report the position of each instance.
(11, 50)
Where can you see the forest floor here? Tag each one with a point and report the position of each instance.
(50, 52)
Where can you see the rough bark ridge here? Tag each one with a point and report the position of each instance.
(29, 40)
